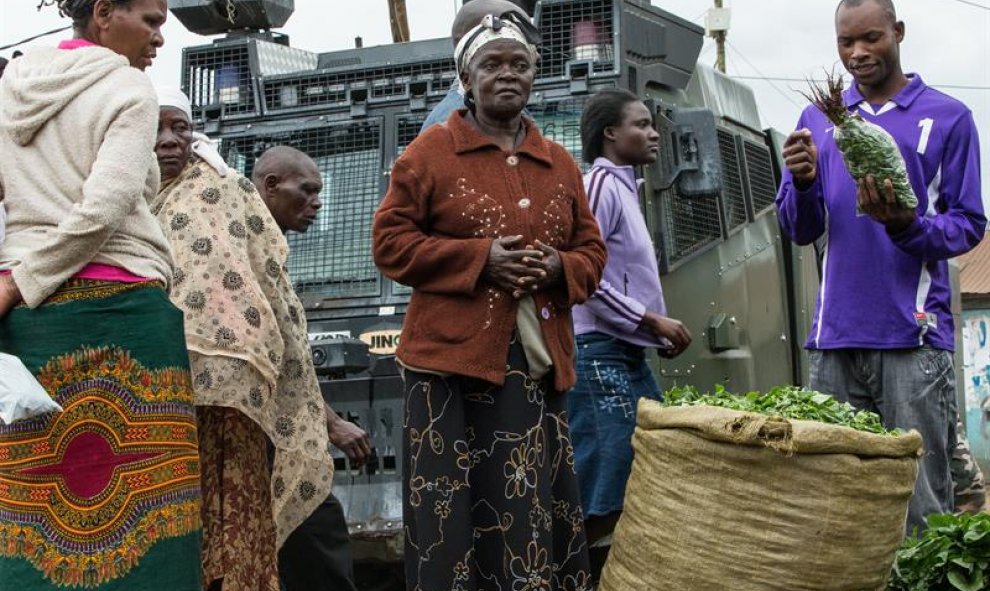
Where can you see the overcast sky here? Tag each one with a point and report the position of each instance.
(946, 42)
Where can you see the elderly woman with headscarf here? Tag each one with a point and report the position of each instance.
(106, 494)
(249, 351)
(488, 222)
(466, 19)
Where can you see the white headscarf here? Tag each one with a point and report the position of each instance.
(202, 146)
(206, 149)
(169, 96)
(491, 28)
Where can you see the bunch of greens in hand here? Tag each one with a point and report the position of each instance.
(867, 149)
(788, 402)
(952, 555)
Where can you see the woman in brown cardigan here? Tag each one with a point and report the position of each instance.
(489, 223)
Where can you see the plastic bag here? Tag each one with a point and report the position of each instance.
(867, 149)
(21, 396)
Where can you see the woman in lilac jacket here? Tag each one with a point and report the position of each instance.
(626, 315)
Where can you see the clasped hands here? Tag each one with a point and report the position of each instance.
(522, 269)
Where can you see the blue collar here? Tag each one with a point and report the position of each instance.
(912, 90)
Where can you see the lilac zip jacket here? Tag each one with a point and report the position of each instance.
(631, 282)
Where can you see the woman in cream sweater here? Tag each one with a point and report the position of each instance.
(105, 494)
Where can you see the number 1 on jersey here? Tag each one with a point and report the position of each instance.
(926, 132)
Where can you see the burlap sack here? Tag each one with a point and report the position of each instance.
(720, 500)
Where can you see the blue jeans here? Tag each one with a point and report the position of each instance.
(909, 389)
(612, 376)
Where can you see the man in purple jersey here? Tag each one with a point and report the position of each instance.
(882, 336)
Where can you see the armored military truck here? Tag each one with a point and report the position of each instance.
(742, 288)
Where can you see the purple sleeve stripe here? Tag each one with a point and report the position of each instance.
(618, 306)
(623, 304)
(621, 312)
(597, 178)
(590, 179)
(592, 183)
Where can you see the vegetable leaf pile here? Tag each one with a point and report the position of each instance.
(952, 555)
(788, 402)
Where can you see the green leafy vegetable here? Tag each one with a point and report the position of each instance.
(788, 402)
(952, 555)
(866, 148)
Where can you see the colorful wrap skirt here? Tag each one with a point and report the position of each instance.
(106, 494)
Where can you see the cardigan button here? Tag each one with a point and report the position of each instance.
(545, 313)
(512, 160)
(524, 202)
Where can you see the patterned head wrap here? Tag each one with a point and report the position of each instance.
(491, 28)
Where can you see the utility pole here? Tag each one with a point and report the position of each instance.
(717, 23)
(398, 20)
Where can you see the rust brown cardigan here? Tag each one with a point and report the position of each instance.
(451, 193)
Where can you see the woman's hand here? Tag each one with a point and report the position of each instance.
(549, 271)
(668, 328)
(512, 270)
(10, 296)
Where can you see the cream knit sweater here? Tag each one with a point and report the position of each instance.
(77, 134)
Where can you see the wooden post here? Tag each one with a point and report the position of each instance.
(720, 45)
(397, 17)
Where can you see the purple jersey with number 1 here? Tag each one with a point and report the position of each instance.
(881, 290)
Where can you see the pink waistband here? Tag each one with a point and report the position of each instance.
(108, 273)
(75, 44)
(100, 272)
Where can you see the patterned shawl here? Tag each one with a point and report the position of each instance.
(246, 328)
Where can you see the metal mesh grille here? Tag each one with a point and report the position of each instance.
(329, 88)
(275, 59)
(407, 128)
(219, 77)
(759, 169)
(733, 198)
(333, 259)
(576, 30)
(689, 224)
(560, 121)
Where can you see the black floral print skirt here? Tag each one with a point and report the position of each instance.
(491, 498)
